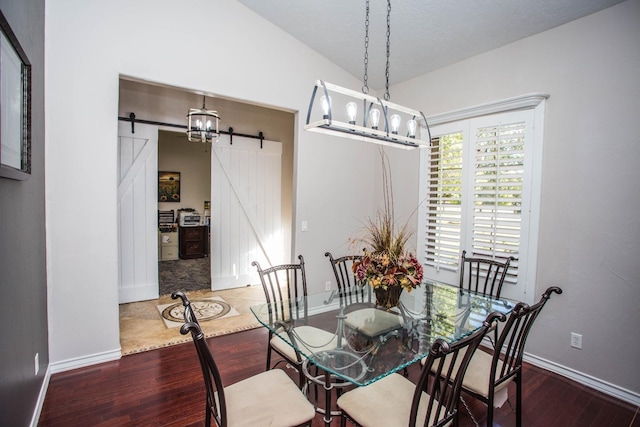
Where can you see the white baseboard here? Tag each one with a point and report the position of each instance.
(592, 382)
(40, 402)
(80, 362)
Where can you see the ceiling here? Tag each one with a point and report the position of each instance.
(425, 34)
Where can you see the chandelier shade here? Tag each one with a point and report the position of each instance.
(347, 113)
(202, 124)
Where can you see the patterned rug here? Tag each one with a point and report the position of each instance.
(205, 309)
(143, 328)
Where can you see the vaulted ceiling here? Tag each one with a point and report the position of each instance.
(425, 34)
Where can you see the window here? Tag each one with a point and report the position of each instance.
(481, 186)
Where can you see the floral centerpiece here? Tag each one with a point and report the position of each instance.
(386, 265)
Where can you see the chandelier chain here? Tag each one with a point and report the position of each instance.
(365, 87)
(387, 96)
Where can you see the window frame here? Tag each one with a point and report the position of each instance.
(535, 102)
(15, 122)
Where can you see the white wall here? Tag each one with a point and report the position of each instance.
(589, 241)
(88, 45)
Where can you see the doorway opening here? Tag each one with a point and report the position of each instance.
(166, 104)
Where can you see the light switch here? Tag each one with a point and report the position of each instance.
(304, 226)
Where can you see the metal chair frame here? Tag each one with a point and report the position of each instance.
(350, 290)
(441, 377)
(284, 287)
(493, 272)
(512, 341)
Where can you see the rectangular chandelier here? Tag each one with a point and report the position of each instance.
(378, 121)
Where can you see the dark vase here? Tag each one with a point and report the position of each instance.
(388, 298)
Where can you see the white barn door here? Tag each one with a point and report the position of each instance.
(246, 220)
(137, 212)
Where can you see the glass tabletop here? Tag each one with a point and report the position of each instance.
(361, 343)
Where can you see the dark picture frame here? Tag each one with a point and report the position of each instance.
(15, 106)
(168, 187)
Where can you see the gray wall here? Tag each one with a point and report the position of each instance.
(589, 234)
(22, 258)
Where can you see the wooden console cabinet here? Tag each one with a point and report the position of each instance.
(193, 241)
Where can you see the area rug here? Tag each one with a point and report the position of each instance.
(143, 328)
(205, 309)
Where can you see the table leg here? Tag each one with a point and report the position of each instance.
(329, 382)
(328, 413)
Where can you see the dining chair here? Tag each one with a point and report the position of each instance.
(285, 290)
(483, 275)
(268, 398)
(396, 401)
(273, 397)
(350, 290)
(356, 298)
(491, 370)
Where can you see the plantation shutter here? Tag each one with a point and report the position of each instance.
(498, 180)
(477, 189)
(443, 217)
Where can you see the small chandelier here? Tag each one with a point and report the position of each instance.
(202, 124)
(379, 121)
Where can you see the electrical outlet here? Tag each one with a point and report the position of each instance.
(37, 363)
(576, 340)
(327, 286)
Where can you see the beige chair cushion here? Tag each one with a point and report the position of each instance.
(373, 322)
(270, 398)
(385, 403)
(308, 338)
(476, 378)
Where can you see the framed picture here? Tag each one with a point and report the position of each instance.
(168, 186)
(15, 106)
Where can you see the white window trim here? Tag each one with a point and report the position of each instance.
(535, 101)
(522, 102)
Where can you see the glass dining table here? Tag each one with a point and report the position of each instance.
(367, 343)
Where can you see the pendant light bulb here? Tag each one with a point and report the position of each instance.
(374, 118)
(352, 111)
(411, 128)
(325, 103)
(395, 123)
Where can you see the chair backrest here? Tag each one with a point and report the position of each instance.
(350, 290)
(216, 403)
(442, 375)
(483, 275)
(513, 338)
(189, 314)
(215, 406)
(284, 286)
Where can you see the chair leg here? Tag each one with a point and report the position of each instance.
(268, 356)
(207, 417)
(301, 377)
(518, 381)
(490, 407)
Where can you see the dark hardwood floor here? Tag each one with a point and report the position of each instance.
(164, 388)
